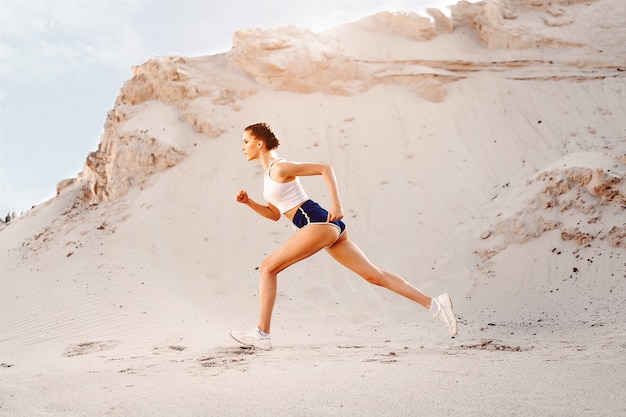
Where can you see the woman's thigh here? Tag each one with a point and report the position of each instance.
(304, 243)
(347, 253)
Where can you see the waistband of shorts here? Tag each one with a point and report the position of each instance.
(300, 217)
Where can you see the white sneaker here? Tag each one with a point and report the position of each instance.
(444, 313)
(252, 339)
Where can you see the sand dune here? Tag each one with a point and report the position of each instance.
(483, 154)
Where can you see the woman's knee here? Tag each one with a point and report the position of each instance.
(375, 277)
(270, 266)
(266, 266)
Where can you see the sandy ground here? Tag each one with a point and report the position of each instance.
(543, 370)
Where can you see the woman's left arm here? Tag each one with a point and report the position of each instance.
(288, 170)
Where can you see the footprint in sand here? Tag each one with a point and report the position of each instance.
(84, 348)
(226, 358)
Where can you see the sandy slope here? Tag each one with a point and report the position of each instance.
(496, 174)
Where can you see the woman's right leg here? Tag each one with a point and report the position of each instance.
(304, 243)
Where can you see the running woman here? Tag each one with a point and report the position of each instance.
(317, 229)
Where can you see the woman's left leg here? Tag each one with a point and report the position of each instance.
(352, 257)
(349, 254)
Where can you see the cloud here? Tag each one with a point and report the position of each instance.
(44, 39)
(47, 39)
(62, 62)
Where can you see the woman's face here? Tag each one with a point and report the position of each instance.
(251, 146)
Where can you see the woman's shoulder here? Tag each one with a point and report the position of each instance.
(290, 169)
(282, 167)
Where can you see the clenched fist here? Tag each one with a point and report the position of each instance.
(242, 197)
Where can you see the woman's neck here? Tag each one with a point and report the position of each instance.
(266, 158)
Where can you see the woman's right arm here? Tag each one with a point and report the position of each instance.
(269, 211)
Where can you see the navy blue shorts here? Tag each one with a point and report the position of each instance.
(312, 213)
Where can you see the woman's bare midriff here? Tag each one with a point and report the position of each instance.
(292, 212)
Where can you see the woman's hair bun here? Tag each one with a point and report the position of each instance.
(264, 132)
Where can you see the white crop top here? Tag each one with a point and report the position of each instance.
(283, 195)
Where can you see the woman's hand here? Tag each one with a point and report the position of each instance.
(335, 213)
(242, 197)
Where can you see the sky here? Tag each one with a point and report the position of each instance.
(62, 64)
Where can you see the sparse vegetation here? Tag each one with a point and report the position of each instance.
(10, 216)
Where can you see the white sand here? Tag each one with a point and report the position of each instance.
(117, 296)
